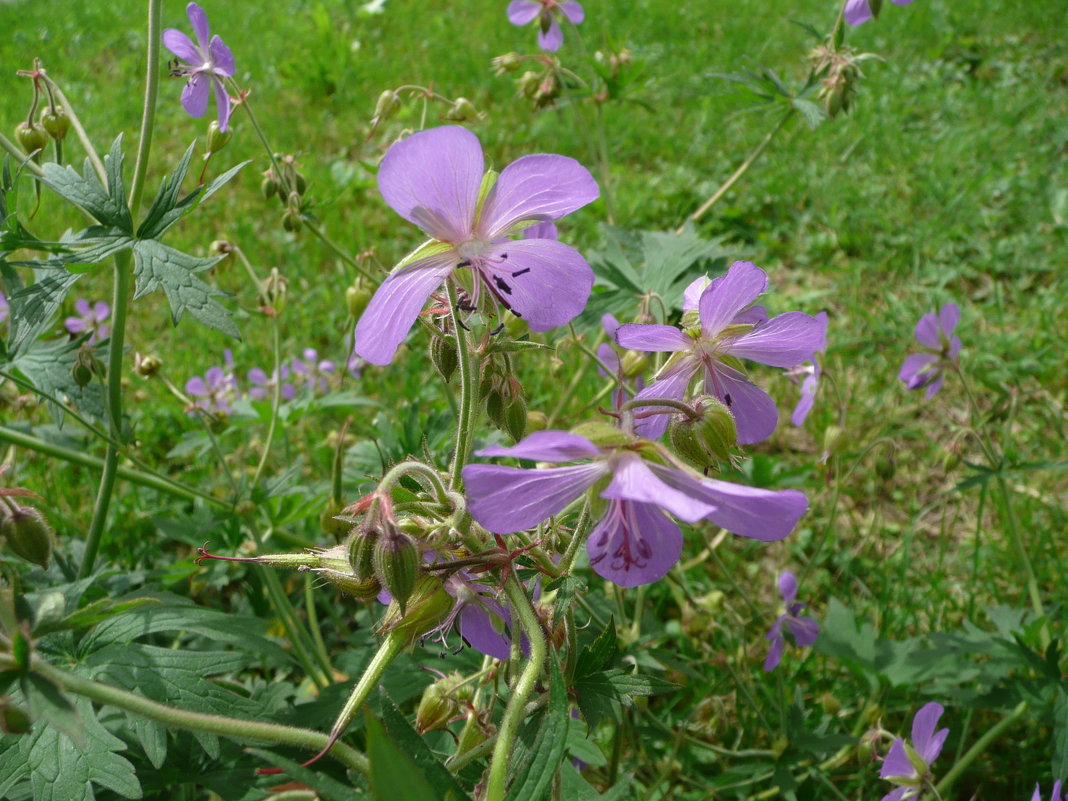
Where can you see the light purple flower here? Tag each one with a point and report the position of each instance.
(477, 616)
(316, 371)
(858, 12)
(206, 63)
(5, 309)
(217, 390)
(726, 330)
(550, 37)
(634, 542)
(355, 365)
(265, 384)
(810, 377)
(804, 629)
(941, 348)
(432, 179)
(1054, 796)
(91, 318)
(909, 765)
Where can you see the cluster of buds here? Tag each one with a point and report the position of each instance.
(503, 396)
(23, 528)
(541, 89)
(706, 437)
(289, 185)
(840, 69)
(53, 123)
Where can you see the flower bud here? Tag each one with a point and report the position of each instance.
(509, 62)
(356, 299)
(708, 438)
(147, 366)
(427, 607)
(495, 407)
(55, 121)
(28, 535)
(472, 734)
(276, 289)
(269, 185)
(832, 441)
(440, 703)
(360, 548)
(31, 136)
(218, 138)
(515, 418)
(634, 363)
(528, 84)
(387, 105)
(463, 110)
(395, 557)
(83, 368)
(444, 357)
(291, 220)
(300, 183)
(333, 565)
(537, 421)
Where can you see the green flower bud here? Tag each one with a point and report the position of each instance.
(356, 300)
(439, 704)
(55, 121)
(472, 734)
(269, 185)
(528, 84)
(360, 548)
(885, 467)
(463, 110)
(634, 363)
(147, 366)
(387, 105)
(31, 137)
(537, 421)
(218, 138)
(707, 439)
(515, 418)
(509, 62)
(28, 535)
(300, 183)
(82, 369)
(444, 357)
(427, 607)
(395, 557)
(291, 220)
(495, 408)
(832, 441)
(602, 434)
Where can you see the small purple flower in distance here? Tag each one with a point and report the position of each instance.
(5, 309)
(91, 318)
(635, 542)
(433, 179)
(804, 629)
(724, 329)
(217, 390)
(941, 348)
(206, 63)
(355, 365)
(909, 765)
(857, 12)
(810, 381)
(550, 37)
(265, 384)
(316, 371)
(1054, 796)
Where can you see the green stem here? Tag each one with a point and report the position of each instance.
(468, 393)
(514, 711)
(742, 169)
(196, 721)
(418, 469)
(341, 254)
(79, 130)
(148, 114)
(372, 674)
(276, 401)
(980, 746)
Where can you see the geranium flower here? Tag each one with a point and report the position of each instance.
(315, 371)
(550, 36)
(1054, 796)
(941, 346)
(91, 318)
(432, 179)
(858, 12)
(634, 542)
(909, 765)
(206, 63)
(217, 389)
(726, 330)
(264, 384)
(804, 629)
(810, 377)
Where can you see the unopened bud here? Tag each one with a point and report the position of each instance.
(147, 366)
(218, 138)
(706, 438)
(515, 418)
(276, 290)
(509, 62)
(55, 121)
(633, 363)
(387, 105)
(440, 703)
(83, 368)
(360, 549)
(832, 441)
(444, 357)
(291, 220)
(463, 110)
(31, 136)
(602, 434)
(528, 83)
(269, 185)
(537, 421)
(356, 300)
(28, 535)
(395, 557)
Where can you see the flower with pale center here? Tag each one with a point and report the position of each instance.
(437, 180)
(727, 328)
(941, 349)
(635, 542)
(909, 764)
(207, 62)
(550, 36)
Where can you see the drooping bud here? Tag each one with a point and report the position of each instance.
(528, 84)
(395, 557)
(218, 138)
(832, 441)
(387, 105)
(276, 289)
(291, 221)
(269, 185)
(537, 421)
(360, 548)
(515, 418)
(441, 702)
(509, 62)
(83, 368)
(147, 366)
(28, 534)
(633, 363)
(31, 137)
(356, 299)
(706, 438)
(495, 407)
(55, 121)
(463, 110)
(444, 356)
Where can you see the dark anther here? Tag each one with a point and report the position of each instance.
(727, 399)
(504, 256)
(464, 263)
(501, 285)
(460, 323)
(518, 273)
(497, 330)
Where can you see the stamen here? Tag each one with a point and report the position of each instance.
(518, 273)
(501, 285)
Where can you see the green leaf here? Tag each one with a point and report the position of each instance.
(159, 266)
(602, 694)
(402, 733)
(50, 708)
(47, 365)
(549, 745)
(598, 655)
(565, 587)
(106, 205)
(91, 614)
(576, 788)
(393, 775)
(35, 306)
(99, 242)
(1060, 734)
(813, 114)
(841, 638)
(329, 789)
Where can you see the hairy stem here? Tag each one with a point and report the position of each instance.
(468, 393)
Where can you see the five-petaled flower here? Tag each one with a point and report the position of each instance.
(206, 63)
(809, 373)
(909, 765)
(217, 390)
(858, 12)
(804, 629)
(433, 179)
(728, 329)
(941, 349)
(91, 318)
(634, 542)
(550, 37)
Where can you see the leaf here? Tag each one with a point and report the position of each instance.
(329, 789)
(106, 205)
(575, 788)
(565, 588)
(1060, 734)
(549, 744)
(813, 114)
(47, 365)
(158, 266)
(100, 243)
(398, 728)
(49, 707)
(598, 655)
(602, 694)
(88, 616)
(33, 307)
(842, 639)
(393, 775)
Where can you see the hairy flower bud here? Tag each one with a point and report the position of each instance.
(386, 106)
(360, 548)
(537, 421)
(706, 439)
(28, 535)
(218, 138)
(444, 357)
(463, 110)
(147, 366)
(83, 368)
(269, 185)
(291, 220)
(31, 136)
(515, 418)
(395, 557)
(602, 434)
(440, 703)
(55, 121)
(509, 62)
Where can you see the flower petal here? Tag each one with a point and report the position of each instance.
(925, 740)
(777, 645)
(221, 57)
(805, 630)
(913, 366)
(755, 413)
(75, 325)
(934, 386)
(897, 794)
(634, 480)
(81, 305)
(691, 296)
(761, 514)
(545, 282)
(787, 586)
(199, 20)
(547, 446)
(396, 305)
(477, 629)
(726, 296)
(101, 310)
(782, 341)
(195, 95)
(927, 332)
(948, 317)
(522, 12)
(542, 230)
(550, 39)
(806, 401)
(672, 385)
(634, 544)
(432, 179)
(574, 11)
(222, 104)
(650, 337)
(182, 46)
(857, 12)
(539, 187)
(752, 315)
(508, 499)
(897, 763)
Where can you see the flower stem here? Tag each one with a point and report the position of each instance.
(418, 469)
(468, 392)
(148, 116)
(79, 129)
(513, 712)
(276, 401)
(980, 746)
(196, 721)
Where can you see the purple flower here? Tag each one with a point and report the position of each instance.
(909, 765)
(91, 319)
(550, 37)
(634, 542)
(858, 12)
(1054, 796)
(206, 63)
(433, 179)
(264, 384)
(941, 349)
(726, 330)
(810, 382)
(477, 616)
(4, 308)
(316, 371)
(804, 629)
(217, 389)
(355, 365)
